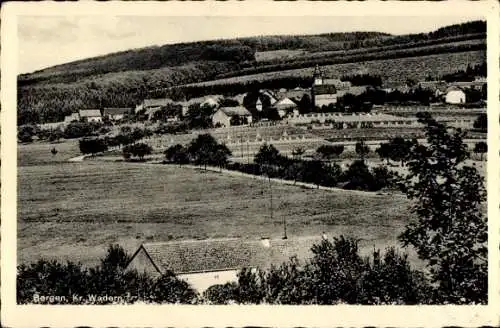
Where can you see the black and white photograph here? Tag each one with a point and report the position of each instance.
(217, 159)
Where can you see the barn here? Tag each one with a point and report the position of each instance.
(90, 115)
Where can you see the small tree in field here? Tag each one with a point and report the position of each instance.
(362, 149)
(450, 229)
(137, 150)
(481, 148)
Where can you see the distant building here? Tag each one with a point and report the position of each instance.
(323, 91)
(90, 115)
(204, 263)
(455, 95)
(229, 116)
(116, 114)
(258, 105)
(72, 118)
(285, 106)
(438, 88)
(152, 104)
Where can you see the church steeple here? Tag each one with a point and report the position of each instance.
(318, 76)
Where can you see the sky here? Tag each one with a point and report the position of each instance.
(46, 41)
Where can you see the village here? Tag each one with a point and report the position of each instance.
(327, 169)
(277, 118)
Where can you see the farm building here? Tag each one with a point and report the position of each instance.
(203, 263)
(455, 95)
(115, 113)
(90, 115)
(229, 116)
(71, 118)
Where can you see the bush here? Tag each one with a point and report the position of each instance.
(335, 274)
(221, 294)
(92, 146)
(137, 150)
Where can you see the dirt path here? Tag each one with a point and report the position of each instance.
(77, 158)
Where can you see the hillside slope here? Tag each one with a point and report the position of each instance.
(125, 78)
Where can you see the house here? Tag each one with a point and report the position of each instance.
(284, 106)
(72, 118)
(152, 104)
(272, 97)
(455, 95)
(90, 115)
(115, 113)
(228, 116)
(203, 263)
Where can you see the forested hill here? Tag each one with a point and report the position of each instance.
(124, 78)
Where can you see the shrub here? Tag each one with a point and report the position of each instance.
(221, 294)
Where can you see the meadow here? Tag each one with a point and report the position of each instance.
(39, 153)
(73, 211)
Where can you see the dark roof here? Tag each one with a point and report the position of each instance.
(116, 111)
(324, 89)
(233, 111)
(225, 254)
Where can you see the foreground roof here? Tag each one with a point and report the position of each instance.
(225, 254)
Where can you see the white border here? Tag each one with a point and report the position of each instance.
(177, 315)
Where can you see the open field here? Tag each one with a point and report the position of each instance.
(38, 153)
(73, 211)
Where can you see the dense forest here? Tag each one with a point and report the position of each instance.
(126, 78)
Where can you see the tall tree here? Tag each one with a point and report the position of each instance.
(481, 148)
(450, 228)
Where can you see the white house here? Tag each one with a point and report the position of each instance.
(455, 95)
(90, 115)
(226, 116)
(284, 106)
(204, 263)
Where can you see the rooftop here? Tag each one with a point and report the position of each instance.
(89, 112)
(116, 111)
(226, 254)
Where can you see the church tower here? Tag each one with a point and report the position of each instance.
(318, 76)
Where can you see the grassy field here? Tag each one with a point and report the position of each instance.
(38, 153)
(73, 211)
